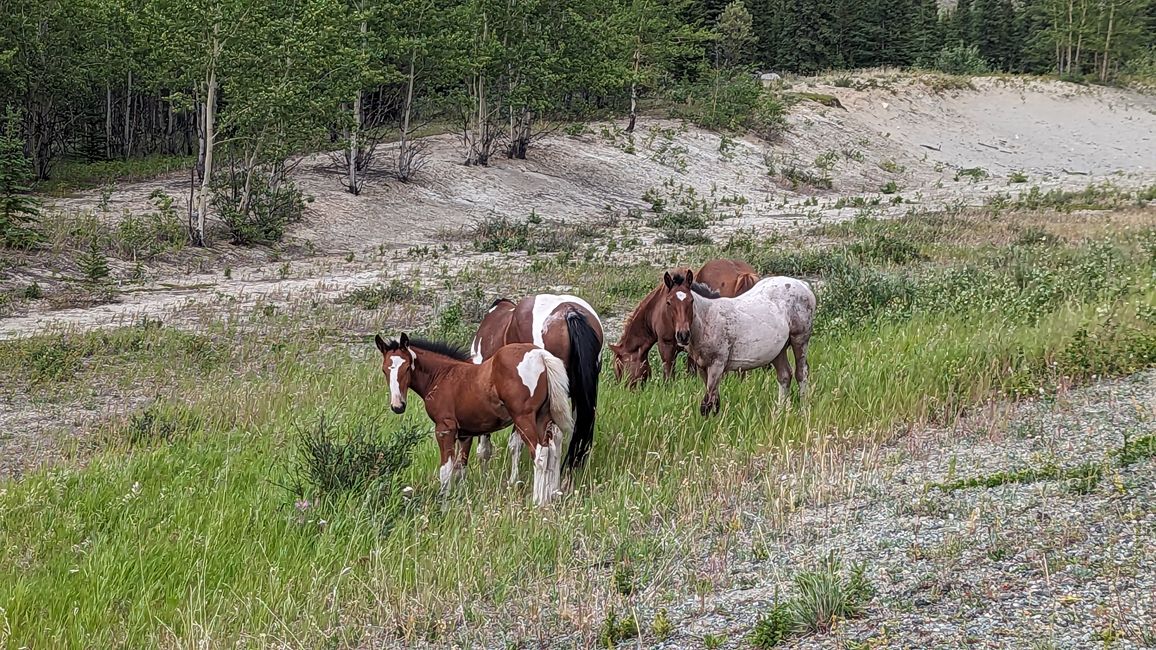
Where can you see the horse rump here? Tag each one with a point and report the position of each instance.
(585, 364)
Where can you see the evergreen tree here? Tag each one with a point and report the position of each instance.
(18, 208)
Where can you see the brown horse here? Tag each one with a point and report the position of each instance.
(520, 384)
(568, 328)
(650, 323)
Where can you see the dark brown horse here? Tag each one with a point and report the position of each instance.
(519, 384)
(650, 323)
(568, 328)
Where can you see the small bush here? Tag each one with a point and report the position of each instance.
(1017, 177)
(269, 210)
(824, 595)
(148, 235)
(774, 628)
(890, 188)
(503, 234)
(33, 292)
(976, 174)
(93, 264)
(370, 298)
(961, 60)
(624, 579)
(886, 249)
(333, 463)
(662, 627)
(159, 423)
(616, 629)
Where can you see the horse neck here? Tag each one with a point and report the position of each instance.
(428, 367)
(639, 329)
(706, 311)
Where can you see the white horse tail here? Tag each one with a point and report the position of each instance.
(558, 387)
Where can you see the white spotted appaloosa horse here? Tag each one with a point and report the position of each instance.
(749, 331)
(520, 384)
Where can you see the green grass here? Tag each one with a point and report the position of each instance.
(70, 176)
(198, 535)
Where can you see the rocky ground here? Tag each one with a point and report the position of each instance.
(1020, 565)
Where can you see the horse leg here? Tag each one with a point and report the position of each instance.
(527, 426)
(691, 367)
(447, 443)
(713, 375)
(485, 448)
(515, 447)
(465, 443)
(783, 371)
(668, 352)
(802, 369)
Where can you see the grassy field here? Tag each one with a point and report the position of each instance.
(202, 519)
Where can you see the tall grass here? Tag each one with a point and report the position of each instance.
(201, 538)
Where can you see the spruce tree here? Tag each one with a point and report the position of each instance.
(18, 208)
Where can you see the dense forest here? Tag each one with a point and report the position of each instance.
(239, 86)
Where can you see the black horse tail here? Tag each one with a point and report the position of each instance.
(583, 368)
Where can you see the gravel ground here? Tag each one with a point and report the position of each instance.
(1031, 565)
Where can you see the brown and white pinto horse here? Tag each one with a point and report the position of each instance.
(568, 328)
(520, 384)
(650, 323)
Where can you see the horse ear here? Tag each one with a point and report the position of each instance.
(690, 277)
(380, 343)
(669, 281)
(404, 340)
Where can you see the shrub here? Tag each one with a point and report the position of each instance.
(332, 463)
(370, 298)
(824, 595)
(148, 235)
(261, 215)
(774, 628)
(159, 423)
(886, 249)
(960, 59)
(499, 233)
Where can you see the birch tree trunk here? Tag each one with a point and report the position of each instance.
(1108, 42)
(634, 82)
(354, 153)
(108, 120)
(210, 134)
(404, 157)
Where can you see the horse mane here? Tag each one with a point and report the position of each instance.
(444, 348)
(703, 290)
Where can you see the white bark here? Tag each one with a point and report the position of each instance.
(209, 137)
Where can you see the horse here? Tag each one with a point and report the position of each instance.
(567, 327)
(520, 384)
(650, 323)
(743, 333)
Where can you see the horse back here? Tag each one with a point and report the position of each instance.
(541, 320)
(492, 331)
(728, 277)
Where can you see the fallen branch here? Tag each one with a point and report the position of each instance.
(932, 147)
(1075, 173)
(996, 147)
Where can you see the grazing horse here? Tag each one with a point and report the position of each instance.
(520, 384)
(567, 327)
(729, 278)
(750, 331)
(650, 323)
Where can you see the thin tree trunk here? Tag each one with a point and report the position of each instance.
(128, 117)
(1080, 33)
(403, 168)
(1108, 42)
(210, 127)
(634, 82)
(108, 120)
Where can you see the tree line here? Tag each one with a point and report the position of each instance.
(243, 86)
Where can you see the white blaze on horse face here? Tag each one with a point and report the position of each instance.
(680, 295)
(530, 369)
(395, 396)
(545, 304)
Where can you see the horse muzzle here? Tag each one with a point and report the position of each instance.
(398, 409)
(682, 338)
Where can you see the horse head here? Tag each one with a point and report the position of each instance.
(396, 363)
(632, 364)
(680, 303)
